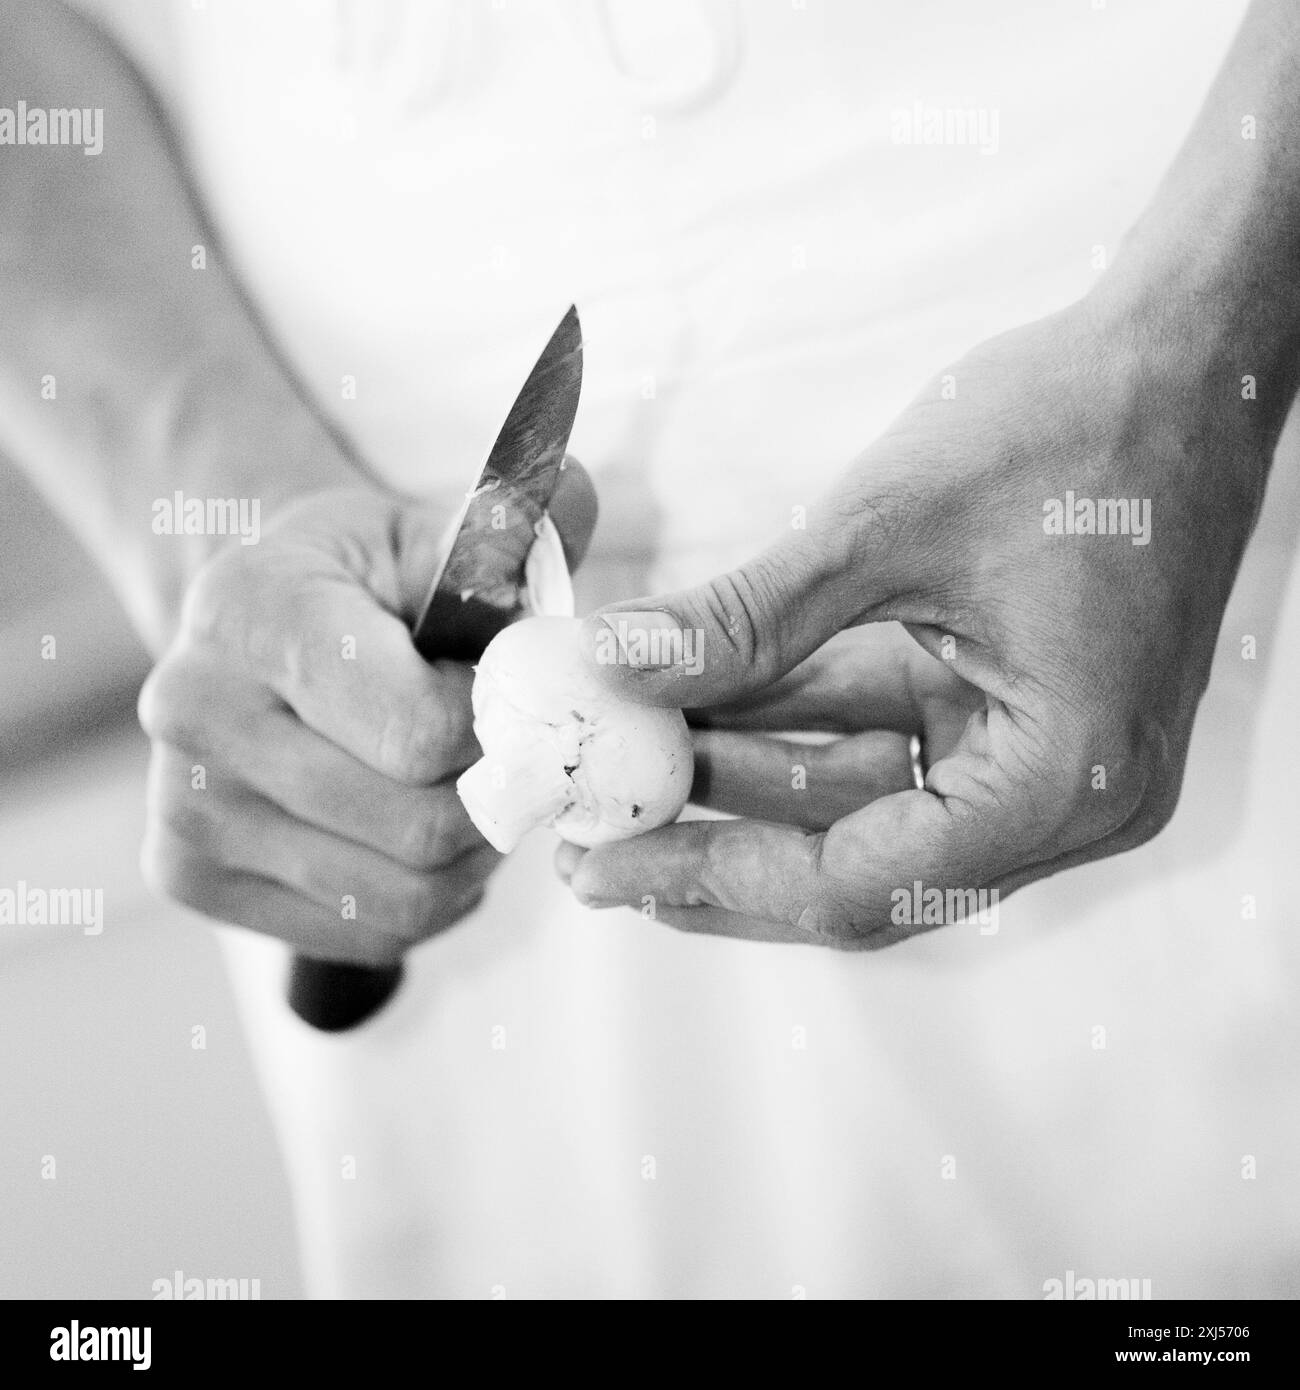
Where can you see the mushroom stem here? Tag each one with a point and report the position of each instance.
(507, 797)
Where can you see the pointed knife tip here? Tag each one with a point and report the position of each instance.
(570, 327)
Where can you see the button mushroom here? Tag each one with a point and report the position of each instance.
(559, 749)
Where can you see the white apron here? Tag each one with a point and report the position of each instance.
(570, 1103)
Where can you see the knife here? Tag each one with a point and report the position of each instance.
(478, 590)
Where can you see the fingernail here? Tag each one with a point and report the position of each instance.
(653, 640)
(594, 904)
(567, 859)
(589, 894)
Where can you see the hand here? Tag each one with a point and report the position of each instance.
(1055, 675)
(304, 755)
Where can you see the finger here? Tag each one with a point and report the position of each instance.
(224, 725)
(803, 784)
(857, 680)
(701, 921)
(748, 869)
(424, 828)
(350, 671)
(715, 921)
(250, 835)
(263, 906)
(200, 704)
(851, 885)
(742, 630)
(573, 509)
(768, 879)
(869, 678)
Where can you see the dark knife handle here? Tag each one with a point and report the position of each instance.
(334, 996)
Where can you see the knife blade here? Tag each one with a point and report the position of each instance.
(478, 590)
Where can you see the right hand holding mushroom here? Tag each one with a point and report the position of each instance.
(1055, 677)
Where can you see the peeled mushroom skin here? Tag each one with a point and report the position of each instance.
(548, 587)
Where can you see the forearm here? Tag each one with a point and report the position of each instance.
(1213, 264)
(126, 372)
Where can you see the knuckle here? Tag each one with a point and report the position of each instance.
(226, 593)
(186, 817)
(424, 841)
(1156, 813)
(468, 900)
(1148, 827)
(434, 730)
(478, 866)
(418, 904)
(586, 894)
(392, 743)
(166, 706)
(709, 886)
(749, 607)
(170, 874)
(1110, 811)
(1127, 774)
(834, 924)
(411, 741)
(417, 839)
(286, 640)
(731, 606)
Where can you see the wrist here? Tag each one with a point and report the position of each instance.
(235, 443)
(1208, 284)
(1212, 325)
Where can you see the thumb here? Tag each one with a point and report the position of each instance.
(740, 631)
(573, 510)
